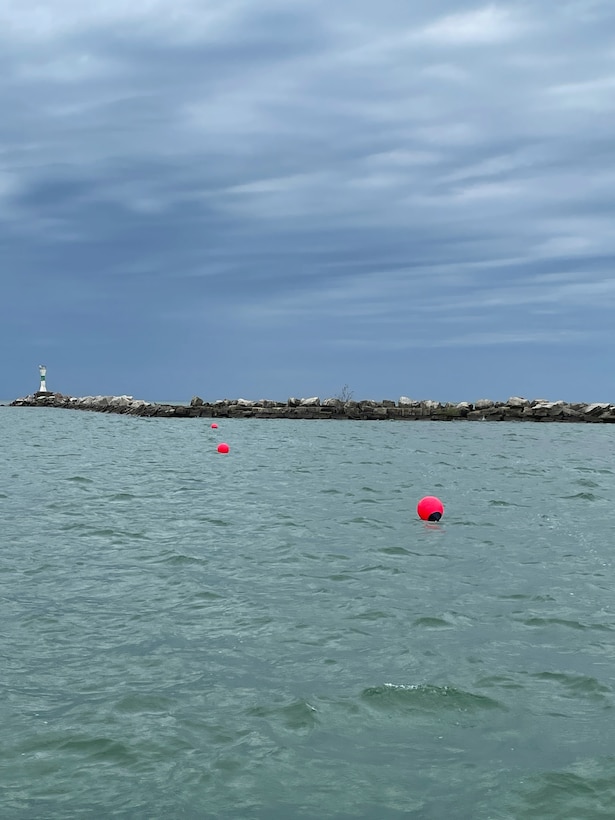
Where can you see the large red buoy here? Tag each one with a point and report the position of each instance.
(214, 426)
(430, 508)
(223, 448)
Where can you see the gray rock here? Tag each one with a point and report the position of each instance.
(596, 409)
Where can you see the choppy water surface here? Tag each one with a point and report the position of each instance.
(273, 633)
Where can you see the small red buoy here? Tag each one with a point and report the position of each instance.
(430, 508)
(214, 426)
(223, 448)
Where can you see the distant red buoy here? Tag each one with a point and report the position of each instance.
(214, 426)
(223, 448)
(430, 508)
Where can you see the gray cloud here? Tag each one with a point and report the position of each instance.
(347, 165)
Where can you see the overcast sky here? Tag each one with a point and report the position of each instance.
(231, 198)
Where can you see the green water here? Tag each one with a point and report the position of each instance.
(273, 633)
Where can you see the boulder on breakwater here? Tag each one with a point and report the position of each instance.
(515, 408)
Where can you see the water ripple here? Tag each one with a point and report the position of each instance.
(190, 636)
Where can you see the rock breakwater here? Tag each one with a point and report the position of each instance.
(515, 408)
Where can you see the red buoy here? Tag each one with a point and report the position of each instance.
(430, 508)
(214, 426)
(223, 448)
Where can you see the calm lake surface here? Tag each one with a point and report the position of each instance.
(273, 633)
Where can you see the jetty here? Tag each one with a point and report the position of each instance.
(515, 408)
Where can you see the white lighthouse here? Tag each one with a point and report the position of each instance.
(43, 371)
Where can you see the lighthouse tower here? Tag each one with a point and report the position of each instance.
(43, 371)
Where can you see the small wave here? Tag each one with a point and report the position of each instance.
(575, 685)
(580, 497)
(99, 748)
(426, 698)
(180, 560)
(500, 682)
(432, 623)
(142, 704)
(298, 716)
(396, 551)
(370, 615)
(586, 789)
(361, 519)
(520, 596)
(207, 595)
(82, 746)
(553, 621)
(377, 568)
(586, 482)
(571, 624)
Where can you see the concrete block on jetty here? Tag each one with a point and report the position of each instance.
(515, 408)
